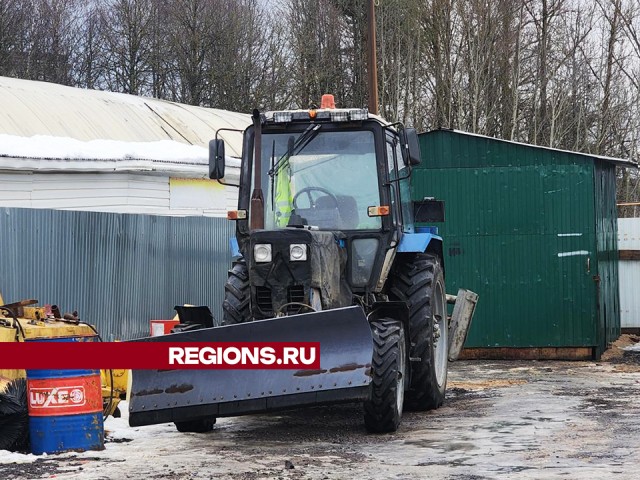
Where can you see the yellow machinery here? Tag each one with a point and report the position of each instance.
(114, 389)
(23, 321)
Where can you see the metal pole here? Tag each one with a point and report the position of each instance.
(372, 68)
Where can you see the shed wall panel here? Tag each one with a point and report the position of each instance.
(526, 230)
(525, 255)
(629, 273)
(102, 192)
(607, 260)
(629, 233)
(118, 271)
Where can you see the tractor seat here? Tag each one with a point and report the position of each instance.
(345, 217)
(348, 212)
(326, 215)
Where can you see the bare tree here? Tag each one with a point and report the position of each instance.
(49, 39)
(86, 71)
(13, 24)
(318, 45)
(190, 23)
(400, 50)
(126, 28)
(560, 73)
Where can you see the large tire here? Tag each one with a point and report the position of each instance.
(237, 293)
(383, 409)
(201, 425)
(419, 281)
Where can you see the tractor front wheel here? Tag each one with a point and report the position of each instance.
(237, 293)
(383, 409)
(201, 425)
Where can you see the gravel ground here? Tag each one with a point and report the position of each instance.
(500, 420)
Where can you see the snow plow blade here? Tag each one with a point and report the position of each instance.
(346, 349)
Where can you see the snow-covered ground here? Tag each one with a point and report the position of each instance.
(118, 434)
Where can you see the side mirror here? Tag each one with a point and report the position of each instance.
(413, 145)
(216, 159)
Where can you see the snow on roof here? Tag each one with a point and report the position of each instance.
(47, 153)
(44, 123)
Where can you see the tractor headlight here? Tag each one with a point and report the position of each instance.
(282, 117)
(298, 252)
(339, 116)
(262, 252)
(358, 114)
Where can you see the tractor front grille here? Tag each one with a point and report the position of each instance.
(263, 299)
(295, 293)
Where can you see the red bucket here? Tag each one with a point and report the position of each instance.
(162, 327)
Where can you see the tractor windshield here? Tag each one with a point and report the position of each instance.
(326, 179)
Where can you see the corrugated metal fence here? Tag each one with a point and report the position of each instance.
(118, 271)
(629, 245)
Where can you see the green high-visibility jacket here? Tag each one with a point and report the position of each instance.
(283, 197)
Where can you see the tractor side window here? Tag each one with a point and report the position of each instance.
(391, 164)
(405, 192)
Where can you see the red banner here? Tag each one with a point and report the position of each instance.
(159, 355)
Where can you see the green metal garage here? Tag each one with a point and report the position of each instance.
(533, 231)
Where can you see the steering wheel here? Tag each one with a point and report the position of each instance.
(308, 191)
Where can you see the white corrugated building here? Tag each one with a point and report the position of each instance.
(629, 273)
(76, 149)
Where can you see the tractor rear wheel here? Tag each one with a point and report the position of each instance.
(383, 409)
(420, 282)
(235, 308)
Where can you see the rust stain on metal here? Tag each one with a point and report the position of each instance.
(21, 303)
(347, 367)
(308, 373)
(143, 393)
(629, 254)
(185, 387)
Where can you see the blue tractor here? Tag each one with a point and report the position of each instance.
(329, 252)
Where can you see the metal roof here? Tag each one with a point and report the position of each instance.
(31, 108)
(621, 162)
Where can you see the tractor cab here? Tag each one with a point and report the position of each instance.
(323, 176)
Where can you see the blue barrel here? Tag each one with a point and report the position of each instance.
(65, 408)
